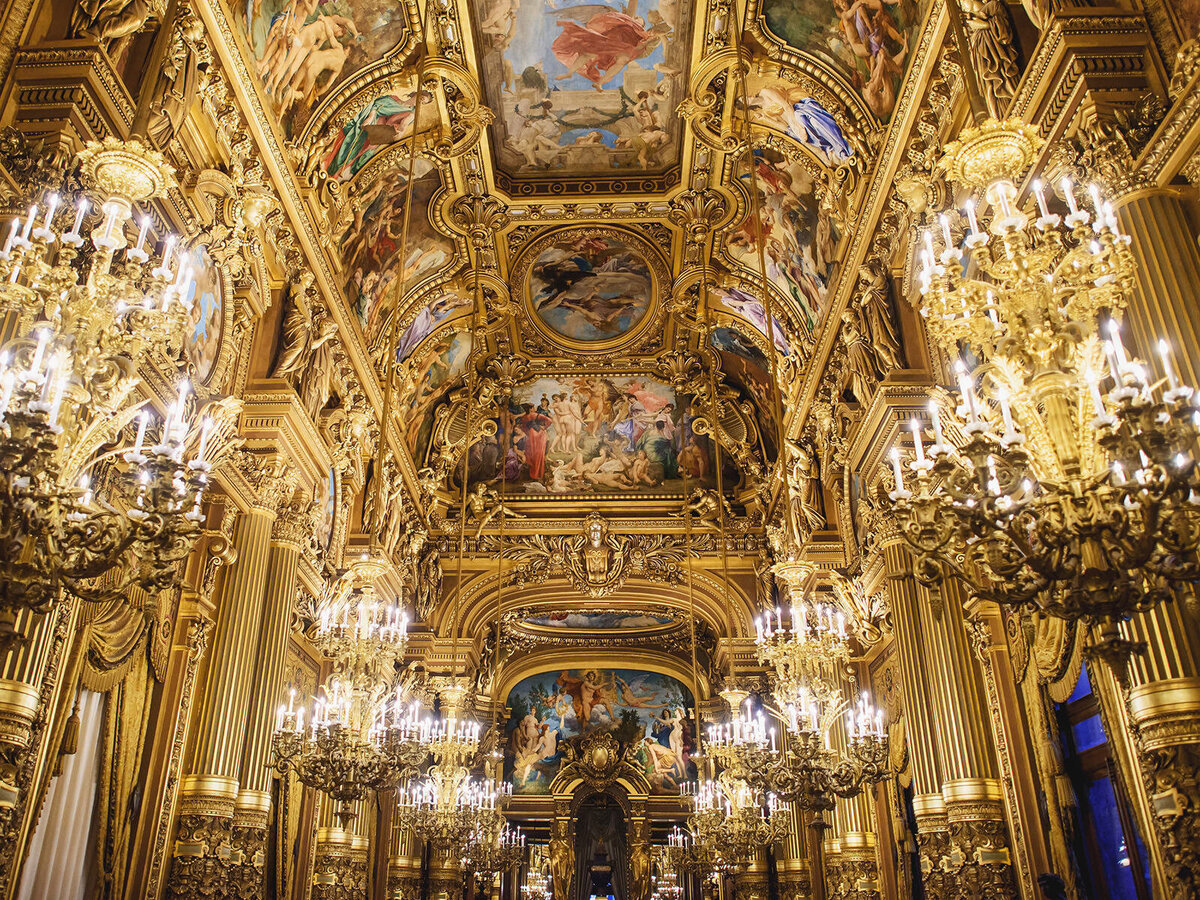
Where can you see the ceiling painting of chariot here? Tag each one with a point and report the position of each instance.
(302, 49)
(584, 87)
(590, 287)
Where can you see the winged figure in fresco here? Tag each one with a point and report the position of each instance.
(598, 42)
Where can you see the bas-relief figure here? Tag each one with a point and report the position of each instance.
(305, 353)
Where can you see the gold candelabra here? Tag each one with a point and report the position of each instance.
(360, 735)
(494, 851)
(731, 820)
(87, 311)
(1074, 491)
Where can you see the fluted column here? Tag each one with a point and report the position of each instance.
(204, 852)
(252, 810)
(404, 865)
(979, 843)
(791, 861)
(340, 869)
(1163, 690)
(923, 750)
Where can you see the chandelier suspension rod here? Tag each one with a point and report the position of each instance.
(390, 362)
(687, 549)
(499, 607)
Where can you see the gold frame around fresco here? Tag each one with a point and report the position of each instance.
(659, 279)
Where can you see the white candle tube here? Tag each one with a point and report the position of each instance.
(12, 233)
(1069, 192)
(935, 417)
(1164, 351)
(29, 223)
(35, 364)
(971, 220)
(141, 239)
(917, 445)
(945, 222)
(896, 470)
(80, 212)
(111, 221)
(1040, 194)
(1006, 412)
(51, 208)
(143, 420)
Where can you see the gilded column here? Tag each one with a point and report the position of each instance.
(1163, 691)
(208, 796)
(929, 808)
(404, 865)
(752, 882)
(858, 874)
(292, 526)
(980, 860)
(340, 869)
(791, 861)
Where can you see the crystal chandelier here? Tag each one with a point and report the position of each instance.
(359, 735)
(1074, 490)
(664, 883)
(449, 806)
(732, 820)
(492, 852)
(86, 312)
(536, 884)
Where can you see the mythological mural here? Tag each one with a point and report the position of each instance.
(384, 121)
(303, 48)
(751, 309)
(206, 299)
(867, 40)
(434, 369)
(442, 306)
(643, 709)
(584, 87)
(787, 107)
(598, 621)
(799, 241)
(592, 433)
(373, 243)
(590, 287)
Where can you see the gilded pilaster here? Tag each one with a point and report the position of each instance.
(292, 527)
(205, 851)
(404, 865)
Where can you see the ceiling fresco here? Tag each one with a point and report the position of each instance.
(302, 49)
(579, 130)
(590, 287)
(593, 434)
(584, 88)
(376, 258)
(598, 621)
(798, 239)
(868, 42)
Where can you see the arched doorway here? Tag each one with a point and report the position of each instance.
(601, 850)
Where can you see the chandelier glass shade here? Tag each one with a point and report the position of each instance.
(1067, 482)
(87, 311)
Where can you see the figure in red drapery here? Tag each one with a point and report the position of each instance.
(603, 44)
(534, 424)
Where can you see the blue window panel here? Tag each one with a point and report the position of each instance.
(1083, 687)
(1088, 733)
(1114, 858)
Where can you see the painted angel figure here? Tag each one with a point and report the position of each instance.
(598, 42)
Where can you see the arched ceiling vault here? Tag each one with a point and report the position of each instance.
(537, 212)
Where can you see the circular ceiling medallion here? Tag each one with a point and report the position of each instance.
(590, 289)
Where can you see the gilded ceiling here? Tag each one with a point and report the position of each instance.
(569, 152)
